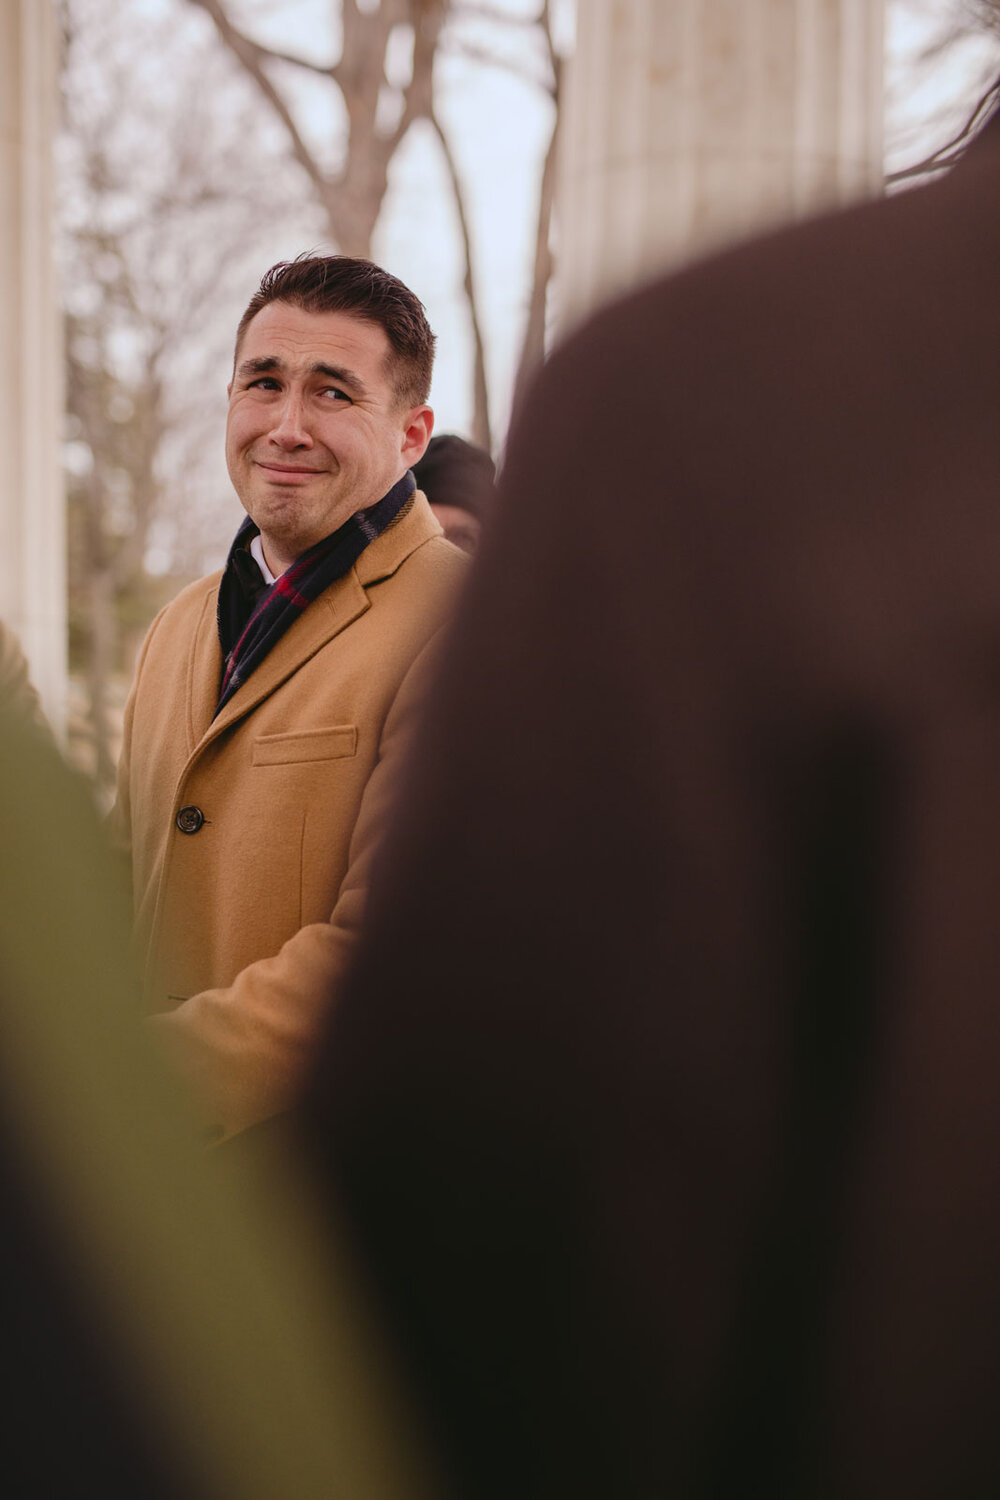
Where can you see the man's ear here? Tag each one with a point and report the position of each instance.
(419, 425)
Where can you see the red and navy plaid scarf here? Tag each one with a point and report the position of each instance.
(249, 626)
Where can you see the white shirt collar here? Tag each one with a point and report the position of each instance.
(257, 553)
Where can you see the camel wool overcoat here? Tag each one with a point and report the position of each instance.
(251, 833)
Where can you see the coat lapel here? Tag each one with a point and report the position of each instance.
(336, 608)
(414, 527)
(205, 670)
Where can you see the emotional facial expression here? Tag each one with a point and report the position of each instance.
(315, 430)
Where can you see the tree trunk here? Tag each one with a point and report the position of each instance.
(533, 347)
(350, 228)
(480, 393)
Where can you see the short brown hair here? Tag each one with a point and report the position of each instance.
(347, 284)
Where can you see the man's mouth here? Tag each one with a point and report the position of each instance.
(286, 472)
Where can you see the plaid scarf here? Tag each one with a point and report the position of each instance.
(251, 620)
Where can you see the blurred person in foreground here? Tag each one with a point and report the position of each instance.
(172, 1329)
(272, 701)
(677, 1160)
(18, 694)
(458, 478)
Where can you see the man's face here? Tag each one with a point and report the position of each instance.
(315, 431)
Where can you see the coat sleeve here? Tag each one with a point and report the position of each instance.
(118, 825)
(248, 1046)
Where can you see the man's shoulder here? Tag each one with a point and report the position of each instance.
(416, 599)
(432, 572)
(438, 556)
(414, 544)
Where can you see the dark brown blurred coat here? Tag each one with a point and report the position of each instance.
(666, 1099)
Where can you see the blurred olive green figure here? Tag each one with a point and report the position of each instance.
(18, 694)
(171, 1327)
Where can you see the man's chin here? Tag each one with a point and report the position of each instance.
(284, 533)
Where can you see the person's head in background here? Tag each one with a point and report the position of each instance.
(458, 479)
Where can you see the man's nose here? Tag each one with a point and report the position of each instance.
(289, 429)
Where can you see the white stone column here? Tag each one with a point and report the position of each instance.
(690, 123)
(32, 512)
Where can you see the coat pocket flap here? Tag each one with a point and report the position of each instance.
(306, 744)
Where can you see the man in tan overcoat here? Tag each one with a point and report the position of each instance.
(272, 700)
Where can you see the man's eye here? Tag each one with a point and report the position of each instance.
(334, 393)
(264, 383)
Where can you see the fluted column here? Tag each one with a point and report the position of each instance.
(690, 123)
(32, 523)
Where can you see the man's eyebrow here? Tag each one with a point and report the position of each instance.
(268, 364)
(260, 366)
(341, 374)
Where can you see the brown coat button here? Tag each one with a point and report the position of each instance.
(189, 819)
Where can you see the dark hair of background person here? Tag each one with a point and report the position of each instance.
(456, 472)
(458, 479)
(346, 284)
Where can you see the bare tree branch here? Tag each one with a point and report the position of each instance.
(470, 10)
(233, 37)
(481, 411)
(476, 53)
(251, 56)
(952, 151)
(352, 199)
(533, 344)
